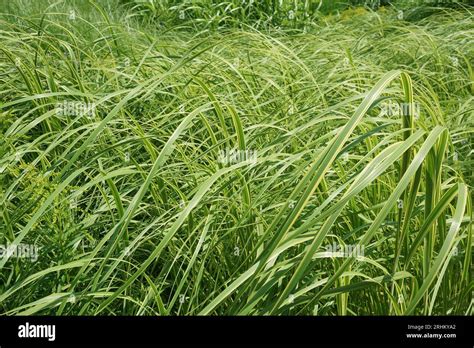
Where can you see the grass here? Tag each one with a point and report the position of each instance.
(114, 162)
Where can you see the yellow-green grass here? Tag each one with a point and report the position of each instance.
(134, 212)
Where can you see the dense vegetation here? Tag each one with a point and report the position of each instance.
(169, 158)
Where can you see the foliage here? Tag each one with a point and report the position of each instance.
(113, 132)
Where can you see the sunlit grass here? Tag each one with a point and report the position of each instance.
(113, 133)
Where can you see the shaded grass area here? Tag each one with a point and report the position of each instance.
(111, 163)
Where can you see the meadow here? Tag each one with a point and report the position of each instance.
(194, 158)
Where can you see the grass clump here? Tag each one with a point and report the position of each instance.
(180, 170)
